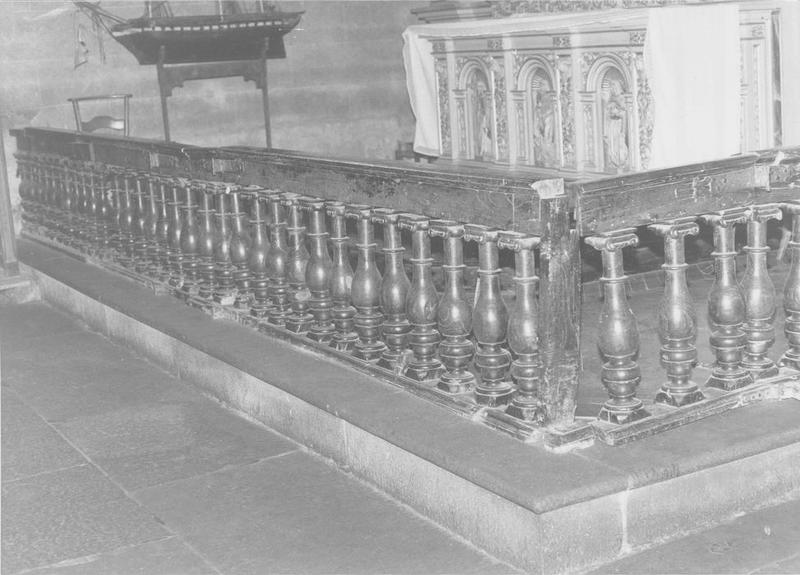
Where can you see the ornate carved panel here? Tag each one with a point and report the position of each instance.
(497, 67)
(588, 135)
(461, 115)
(443, 90)
(644, 99)
(592, 107)
(566, 97)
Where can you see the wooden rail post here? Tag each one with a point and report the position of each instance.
(8, 241)
(559, 304)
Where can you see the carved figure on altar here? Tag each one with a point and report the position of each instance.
(544, 122)
(480, 102)
(615, 123)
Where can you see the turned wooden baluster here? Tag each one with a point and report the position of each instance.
(174, 253)
(39, 192)
(489, 321)
(33, 206)
(300, 320)
(40, 213)
(85, 231)
(151, 228)
(43, 195)
(76, 231)
(115, 217)
(105, 215)
(60, 197)
(93, 210)
(72, 229)
(140, 227)
(59, 201)
(225, 286)
(318, 270)
(189, 243)
(394, 289)
(240, 250)
(116, 204)
(46, 191)
(93, 236)
(791, 293)
(726, 307)
(78, 205)
(454, 316)
(523, 326)
(277, 261)
(421, 303)
(77, 199)
(35, 174)
(341, 280)
(365, 291)
(206, 243)
(69, 197)
(127, 217)
(618, 333)
(162, 230)
(55, 190)
(677, 320)
(759, 294)
(259, 247)
(85, 209)
(39, 210)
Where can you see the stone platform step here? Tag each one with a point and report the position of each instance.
(541, 511)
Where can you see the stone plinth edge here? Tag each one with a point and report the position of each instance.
(623, 516)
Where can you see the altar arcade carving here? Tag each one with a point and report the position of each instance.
(514, 101)
(577, 101)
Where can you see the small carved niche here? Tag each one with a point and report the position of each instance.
(614, 96)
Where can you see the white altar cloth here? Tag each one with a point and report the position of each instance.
(683, 26)
(691, 60)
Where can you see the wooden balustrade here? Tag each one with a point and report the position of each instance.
(280, 261)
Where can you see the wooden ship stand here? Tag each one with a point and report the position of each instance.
(230, 43)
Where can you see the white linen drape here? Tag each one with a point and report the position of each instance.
(692, 63)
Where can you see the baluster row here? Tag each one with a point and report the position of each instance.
(271, 254)
(741, 316)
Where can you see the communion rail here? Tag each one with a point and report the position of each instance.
(269, 238)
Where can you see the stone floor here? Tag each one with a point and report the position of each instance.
(111, 465)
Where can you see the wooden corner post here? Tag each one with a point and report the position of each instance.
(559, 304)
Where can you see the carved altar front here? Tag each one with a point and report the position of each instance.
(578, 98)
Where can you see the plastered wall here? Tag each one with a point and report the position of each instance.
(340, 92)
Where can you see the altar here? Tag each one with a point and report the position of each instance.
(603, 91)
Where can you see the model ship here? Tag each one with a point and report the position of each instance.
(231, 34)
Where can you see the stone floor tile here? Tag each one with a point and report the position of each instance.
(151, 443)
(788, 566)
(20, 323)
(68, 514)
(69, 360)
(295, 514)
(101, 391)
(168, 556)
(29, 445)
(749, 543)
